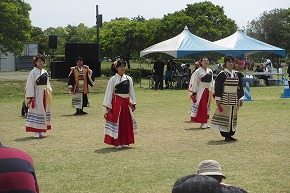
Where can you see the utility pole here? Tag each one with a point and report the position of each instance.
(98, 25)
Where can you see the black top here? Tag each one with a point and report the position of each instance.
(122, 87)
(42, 80)
(221, 78)
(207, 78)
(159, 67)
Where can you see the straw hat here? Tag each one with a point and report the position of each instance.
(210, 167)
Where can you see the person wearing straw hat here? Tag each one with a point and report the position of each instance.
(213, 169)
(210, 168)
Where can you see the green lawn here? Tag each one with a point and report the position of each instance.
(74, 159)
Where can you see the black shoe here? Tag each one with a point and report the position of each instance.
(228, 139)
(82, 112)
(233, 139)
(78, 112)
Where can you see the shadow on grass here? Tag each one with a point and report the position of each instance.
(70, 115)
(219, 142)
(110, 150)
(188, 122)
(194, 129)
(27, 139)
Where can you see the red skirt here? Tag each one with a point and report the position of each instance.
(121, 112)
(202, 111)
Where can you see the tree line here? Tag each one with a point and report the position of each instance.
(126, 37)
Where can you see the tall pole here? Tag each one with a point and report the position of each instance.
(98, 31)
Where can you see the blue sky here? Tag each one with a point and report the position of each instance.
(54, 13)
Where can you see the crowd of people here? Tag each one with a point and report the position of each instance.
(119, 104)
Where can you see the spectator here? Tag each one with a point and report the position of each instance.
(159, 71)
(210, 168)
(16, 171)
(262, 68)
(169, 72)
(288, 72)
(232, 189)
(196, 184)
(213, 169)
(268, 64)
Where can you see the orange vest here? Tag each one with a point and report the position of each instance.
(76, 76)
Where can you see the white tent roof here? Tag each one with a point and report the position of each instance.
(183, 44)
(240, 44)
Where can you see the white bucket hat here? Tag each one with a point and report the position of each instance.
(210, 167)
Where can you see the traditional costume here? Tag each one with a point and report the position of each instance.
(120, 123)
(228, 90)
(79, 79)
(201, 86)
(38, 87)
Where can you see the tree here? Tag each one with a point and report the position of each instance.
(15, 25)
(61, 38)
(38, 36)
(272, 27)
(122, 37)
(210, 21)
(80, 33)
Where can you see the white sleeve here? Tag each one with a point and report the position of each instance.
(211, 85)
(30, 83)
(131, 91)
(109, 95)
(193, 82)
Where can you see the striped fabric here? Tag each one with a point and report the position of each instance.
(230, 96)
(16, 172)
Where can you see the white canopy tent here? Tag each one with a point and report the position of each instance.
(184, 44)
(239, 43)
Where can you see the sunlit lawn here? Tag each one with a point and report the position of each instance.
(73, 158)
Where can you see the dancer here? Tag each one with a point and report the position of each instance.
(38, 97)
(200, 88)
(80, 77)
(119, 103)
(229, 95)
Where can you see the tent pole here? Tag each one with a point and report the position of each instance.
(140, 74)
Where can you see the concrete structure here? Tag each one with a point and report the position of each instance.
(7, 62)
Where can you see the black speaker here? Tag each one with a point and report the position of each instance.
(52, 42)
(88, 51)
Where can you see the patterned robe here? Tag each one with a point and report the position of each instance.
(228, 90)
(79, 79)
(201, 83)
(39, 115)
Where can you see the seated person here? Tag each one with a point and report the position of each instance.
(196, 184)
(262, 68)
(186, 76)
(213, 169)
(16, 171)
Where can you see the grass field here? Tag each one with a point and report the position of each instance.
(74, 159)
